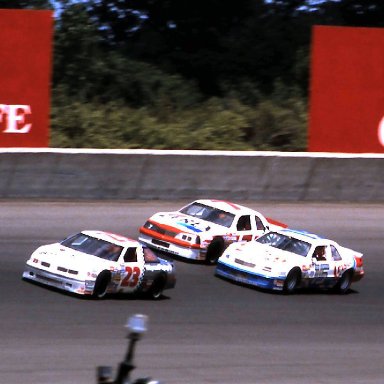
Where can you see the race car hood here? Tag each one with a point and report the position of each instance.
(185, 223)
(59, 259)
(255, 255)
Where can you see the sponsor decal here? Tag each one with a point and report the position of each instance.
(89, 285)
(116, 277)
(191, 226)
(230, 238)
(322, 267)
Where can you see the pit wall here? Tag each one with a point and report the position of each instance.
(170, 175)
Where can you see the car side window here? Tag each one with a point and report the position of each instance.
(335, 254)
(244, 223)
(130, 255)
(259, 224)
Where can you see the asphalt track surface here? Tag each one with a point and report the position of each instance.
(206, 330)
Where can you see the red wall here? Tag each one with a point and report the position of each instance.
(347, 90)
(25, 74)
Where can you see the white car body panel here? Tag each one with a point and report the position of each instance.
(189, 236)
(74, 271)
(265, 266)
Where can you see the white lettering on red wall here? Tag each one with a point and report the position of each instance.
(13, 118)
(381, 132)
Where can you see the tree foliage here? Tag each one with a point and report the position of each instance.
(179, 74)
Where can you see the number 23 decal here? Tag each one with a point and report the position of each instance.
(132, 277)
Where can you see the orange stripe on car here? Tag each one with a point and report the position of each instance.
(276, 222)
(169, 239)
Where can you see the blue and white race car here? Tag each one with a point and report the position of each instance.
(287, 259)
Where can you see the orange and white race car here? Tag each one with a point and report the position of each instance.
(202, 229)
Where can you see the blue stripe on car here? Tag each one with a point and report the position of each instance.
(191, 227)
(242, 276)
(303, 233)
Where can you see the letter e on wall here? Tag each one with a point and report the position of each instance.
(25, 77)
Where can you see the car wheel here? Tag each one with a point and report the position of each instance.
(292, 281)
(101, 284)
(157, 288)
(344, 282)
(214, 251)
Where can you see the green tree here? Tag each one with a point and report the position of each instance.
(201, 74)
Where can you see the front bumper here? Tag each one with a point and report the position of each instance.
(168, 247)
(245, 277)
(53, 280)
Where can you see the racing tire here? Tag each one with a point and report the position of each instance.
(214, 251)
(292, 281)
(157, 288)
(344, 283)
(101, 284)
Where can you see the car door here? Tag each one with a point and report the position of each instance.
(258, 227)
(132, 269)
(250, 227)
(322, 266)
(245, 228)
(339, 265)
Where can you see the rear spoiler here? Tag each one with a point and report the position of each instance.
(276, 223)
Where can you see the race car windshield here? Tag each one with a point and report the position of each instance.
(286, 243)
(93, 246)
(207, 213)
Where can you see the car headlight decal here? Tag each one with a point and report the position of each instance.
(188, 237)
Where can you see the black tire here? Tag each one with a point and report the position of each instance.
(214, 251)
(101, 284)
(157, 288)
(292, 281)
(344, 283)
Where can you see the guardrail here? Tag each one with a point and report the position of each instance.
(28, 173)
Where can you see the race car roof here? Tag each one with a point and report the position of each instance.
(227, 206)
(111, 237)
(300, 234)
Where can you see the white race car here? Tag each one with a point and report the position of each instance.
(287, 259)
(96, 263)
(202, 229)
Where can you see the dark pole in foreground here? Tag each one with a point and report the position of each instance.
(127, 366)
(137, 325)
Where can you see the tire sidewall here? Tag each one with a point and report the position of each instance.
(214, 251)
(157, 288)
(292, 281)
(344, 282)
(101, 284)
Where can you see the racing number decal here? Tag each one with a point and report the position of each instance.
(338, 270)
(132, 277)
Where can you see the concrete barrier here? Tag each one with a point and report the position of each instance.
(155, 174)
